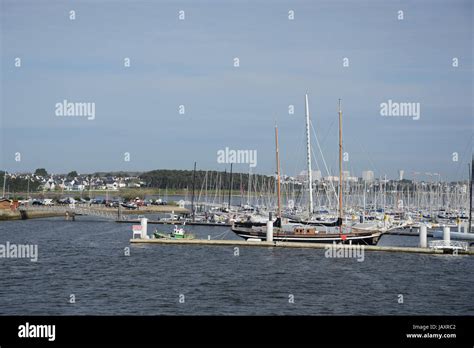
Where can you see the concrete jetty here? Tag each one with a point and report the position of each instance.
(218, 242)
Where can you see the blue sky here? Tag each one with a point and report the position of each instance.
(190, 62)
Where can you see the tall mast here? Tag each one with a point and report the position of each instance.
(223, 180)
(192, 198)
(230, 184)
(365, 190)
(470, 194)
(340, 165)
(249, 185)
(241, 191)
(4, 182)
(308, 151)
(278, 171)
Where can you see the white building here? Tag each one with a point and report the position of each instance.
(50, 185)
(400, 174)
(368, 175)
(112, 185)
(303, 175)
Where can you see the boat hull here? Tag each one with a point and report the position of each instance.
(365, 238)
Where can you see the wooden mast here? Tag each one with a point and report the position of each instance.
(278, 172)
(192, 199)
(230, 185)
(470, 194)
(340, 167)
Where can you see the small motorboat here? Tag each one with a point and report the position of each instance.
(178, 233)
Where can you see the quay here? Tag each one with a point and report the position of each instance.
(405, 232)
(36, 212)
(219, 242)
(163, 222)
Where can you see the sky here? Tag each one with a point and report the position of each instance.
(138, 126)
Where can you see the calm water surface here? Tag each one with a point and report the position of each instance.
(86, 258)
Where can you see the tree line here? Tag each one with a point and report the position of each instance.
(211, 180)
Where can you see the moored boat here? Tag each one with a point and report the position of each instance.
(177, 233)
(289, 232)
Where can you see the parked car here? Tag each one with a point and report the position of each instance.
(37, 202)
(48, 201)
(130, 205)
(98, 201)
(113, 204)
(67, 200)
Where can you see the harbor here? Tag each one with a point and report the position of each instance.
(176, 171)
(303, 226)
(339, 210)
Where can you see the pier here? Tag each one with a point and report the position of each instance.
(444, 246)
(218, 242)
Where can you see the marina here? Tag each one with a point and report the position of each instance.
(177, 172)
(443, 246)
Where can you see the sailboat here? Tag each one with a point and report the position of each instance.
(309, 231)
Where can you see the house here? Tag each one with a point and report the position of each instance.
(111, 184)
(68, 186)
(50, 185)
(78, 187)
(74, 185)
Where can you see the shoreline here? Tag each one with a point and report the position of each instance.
(9, 215)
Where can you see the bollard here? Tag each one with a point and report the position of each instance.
(270, 231)
(144, 223)
(423, 236)
(446, 234)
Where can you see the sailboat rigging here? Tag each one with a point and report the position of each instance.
(310, 230)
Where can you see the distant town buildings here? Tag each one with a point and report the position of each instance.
(368, 175)
(346, 177)
(331, 178)
(56, 182)
(303, 175)
(116, 181)
(400, 174)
